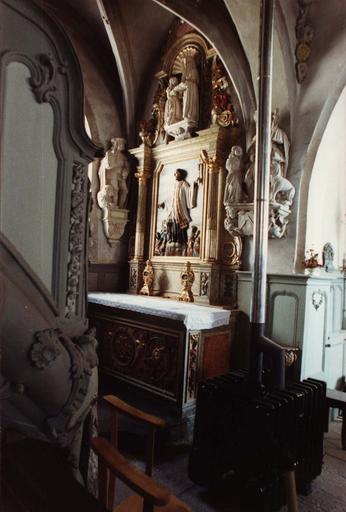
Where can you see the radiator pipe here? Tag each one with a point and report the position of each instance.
(259, 343)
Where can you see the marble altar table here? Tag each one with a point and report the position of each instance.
(160, 345)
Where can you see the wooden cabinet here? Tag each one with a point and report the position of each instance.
(159, 355)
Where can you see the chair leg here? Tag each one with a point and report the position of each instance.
(148, 507)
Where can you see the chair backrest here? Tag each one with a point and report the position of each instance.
(113, 465)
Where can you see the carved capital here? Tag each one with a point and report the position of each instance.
(211, 162)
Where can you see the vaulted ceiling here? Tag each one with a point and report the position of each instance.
(119, 44)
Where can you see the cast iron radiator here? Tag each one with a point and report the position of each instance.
(258, 438)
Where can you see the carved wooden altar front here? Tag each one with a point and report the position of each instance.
(157, 351)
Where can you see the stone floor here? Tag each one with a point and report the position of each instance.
(328, 490)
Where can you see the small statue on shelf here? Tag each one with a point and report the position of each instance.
(148, 278)
(187, 279)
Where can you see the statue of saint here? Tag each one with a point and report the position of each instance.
(280, 139)
(234, 181)
(117, 171)
(189, 87)
(178, 219)
(172, 112)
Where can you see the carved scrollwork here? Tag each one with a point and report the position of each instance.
(204, 284)
(194, 344)
(44, 77)
(76, 237)
(45, 349)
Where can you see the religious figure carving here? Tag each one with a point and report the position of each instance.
(234, 188)
(280, 139)
(117, 171)
(280, 185)
(148, 278)
(113, 192)
(178, 219)
(187, 279)
(181, 113)
(189, 87)
(173, 105)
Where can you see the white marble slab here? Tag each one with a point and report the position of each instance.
(195, 317)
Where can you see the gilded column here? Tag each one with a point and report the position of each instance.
(143, 174)
(211, 239)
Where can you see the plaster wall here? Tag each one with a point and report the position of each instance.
(327, 192)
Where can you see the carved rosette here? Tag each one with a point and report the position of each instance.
(192, 371)
(304, 34)
(76, 237)
(45, 349)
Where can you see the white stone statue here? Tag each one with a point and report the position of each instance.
(112, 196)
(233, 188)
(280, 139)
(173, 108)
(189, 87)
(117, 171)
(279, 184)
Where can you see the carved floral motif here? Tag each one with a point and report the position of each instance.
(204, 283)
(304, 34)
(45, 349)
(76, 237)
(317, 299)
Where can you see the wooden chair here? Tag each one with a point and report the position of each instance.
(150, 495)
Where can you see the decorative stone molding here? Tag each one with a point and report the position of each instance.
(304, 35)
(76, 237)
(204, 286)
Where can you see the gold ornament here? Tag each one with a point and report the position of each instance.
(148, 278)
(187, 277)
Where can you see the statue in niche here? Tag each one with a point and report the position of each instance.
(189, 87)
(178, 219)
(281, 190)
(117, 171)
(173, 108)
(234, 181)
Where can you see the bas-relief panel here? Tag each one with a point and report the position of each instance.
(188, 203)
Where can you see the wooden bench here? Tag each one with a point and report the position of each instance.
(337, 399)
